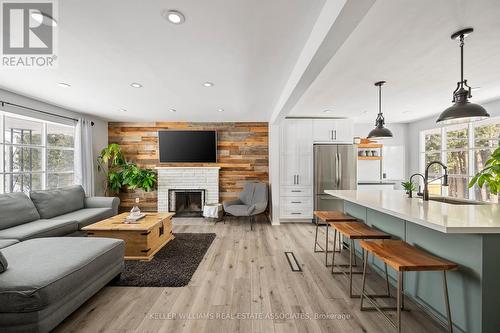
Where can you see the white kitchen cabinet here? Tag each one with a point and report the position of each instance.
(296, 169)
(332, 130)
(296, 153)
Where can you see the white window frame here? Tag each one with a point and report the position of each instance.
(43, 146)
(443, 151)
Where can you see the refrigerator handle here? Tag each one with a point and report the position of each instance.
(339, 170)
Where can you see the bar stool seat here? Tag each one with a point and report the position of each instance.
(404, 257)
(323, 218)
(355, 231)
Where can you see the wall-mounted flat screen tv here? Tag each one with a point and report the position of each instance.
(187, 146)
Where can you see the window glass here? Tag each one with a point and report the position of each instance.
(464, 148)
(457, 137)
(34, 154)
(434, 169)
(20, 158)
(23, 131)
(23, 182)
(60, 136)
(55, 180)
(487, 135)
(59, 160)
(458, 162)
(458, 187)
(432, 141)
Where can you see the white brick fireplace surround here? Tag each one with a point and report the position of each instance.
(187, 178)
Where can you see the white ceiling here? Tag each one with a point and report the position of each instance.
(246, 47)
(407, 43)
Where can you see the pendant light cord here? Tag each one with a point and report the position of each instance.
(380, 99)
(462, 59)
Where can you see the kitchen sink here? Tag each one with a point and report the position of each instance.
(456, 201)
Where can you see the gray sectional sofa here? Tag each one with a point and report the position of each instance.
(45, 275)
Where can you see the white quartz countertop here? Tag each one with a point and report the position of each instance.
(443, 217)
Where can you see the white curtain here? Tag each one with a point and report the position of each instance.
(84, 158)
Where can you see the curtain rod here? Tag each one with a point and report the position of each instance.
(44, 112)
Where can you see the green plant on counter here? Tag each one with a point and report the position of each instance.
(409, 186)
(121, 173)
(490, 175)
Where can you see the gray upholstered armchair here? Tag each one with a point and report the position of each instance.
(252, 202)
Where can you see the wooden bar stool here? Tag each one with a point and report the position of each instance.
(324, 218)
(353, 231)
(403, 257)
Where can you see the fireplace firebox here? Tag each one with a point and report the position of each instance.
(186, 203)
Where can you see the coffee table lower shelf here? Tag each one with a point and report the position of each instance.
(151, 252)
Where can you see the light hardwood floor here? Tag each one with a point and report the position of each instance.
(244, 272)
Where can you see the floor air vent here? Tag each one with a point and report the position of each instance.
(292, 261)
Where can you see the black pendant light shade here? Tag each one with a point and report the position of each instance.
(380, 132)
(462, 110)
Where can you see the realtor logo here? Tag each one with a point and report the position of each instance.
(28, 34)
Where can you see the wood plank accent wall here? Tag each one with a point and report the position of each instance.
(242, 154)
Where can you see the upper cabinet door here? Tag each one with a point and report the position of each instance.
(343, 131)
(332, 130)
(297, 137)
(303, 137)
(323, 130)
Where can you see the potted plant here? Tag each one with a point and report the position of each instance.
(490, 174)
(409, 186)
(121, 173)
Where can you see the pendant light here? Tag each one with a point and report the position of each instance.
(380, 132)
(462, 110)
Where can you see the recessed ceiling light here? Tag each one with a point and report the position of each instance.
(327, 111)
(172, 110)
(220, 110)
(123, 110)
(173, 16)
(208, 84)
(364, 112)
(136, 85)
(43, 18)
(63, 84)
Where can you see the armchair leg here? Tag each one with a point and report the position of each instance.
(252, 221)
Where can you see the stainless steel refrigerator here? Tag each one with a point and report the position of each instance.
(335, 168)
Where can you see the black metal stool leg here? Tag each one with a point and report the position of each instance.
(326, 245)
(387, 281)
(447, 303)
(334, 245)
(316, 237)
(400, 287)
(351, 253)
(365, 261)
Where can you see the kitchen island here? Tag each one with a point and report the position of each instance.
(467, 234)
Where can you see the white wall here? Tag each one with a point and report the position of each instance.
(414, 129)
(100, 130)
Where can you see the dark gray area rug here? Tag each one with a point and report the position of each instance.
(172, 266)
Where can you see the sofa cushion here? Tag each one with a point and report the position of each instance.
(52, 203)
(7, 242)
(238, 210)
(3, 263)
(87, 216)
(44, 270)
(39, 229)
(16, 209)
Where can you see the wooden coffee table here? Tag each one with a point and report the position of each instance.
(142, 240)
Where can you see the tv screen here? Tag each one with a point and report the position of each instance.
(187, 146)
